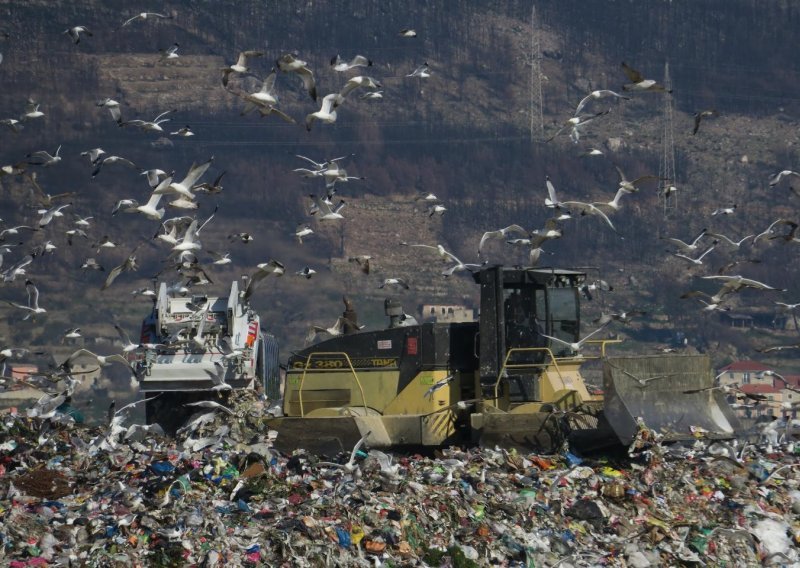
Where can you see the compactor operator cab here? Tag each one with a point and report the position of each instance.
(518, 307)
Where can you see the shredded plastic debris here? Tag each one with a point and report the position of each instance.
(219, 494)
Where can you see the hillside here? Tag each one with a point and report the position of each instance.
(471, 133)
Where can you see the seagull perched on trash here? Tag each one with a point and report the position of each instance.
(351, 465)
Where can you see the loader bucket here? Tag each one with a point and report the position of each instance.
(665, 392)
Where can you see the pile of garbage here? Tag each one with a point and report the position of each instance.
(219, 494)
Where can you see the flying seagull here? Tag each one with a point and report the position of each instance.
(724, 210)
(776, 179)
(143, 16)
(128, 265)
(354, 83)
(500, 234)
(622, 317)
(263, 270)
(76, 31)
(587, 289)
(43, 158)
(394, 283)
(736, 244)
(31, 111)
(630, 185)
(361, 260)
(113, 108)
(326, 113)
(423, 71)
(49, 214)
(325, 211)
(700, 115)
(302, 230)
(100, 162)
(589, 209)
(574, 346)
(575, 124)
(170, 53)
(639, 83)
(339, 64)
(33, 301)
(13, 124)
(307, 272)
(448, 256)
(690, 246)
(596, 95)
(240, 66)
(185, 186)
(699, 260)
(149, 125)
(288, 63)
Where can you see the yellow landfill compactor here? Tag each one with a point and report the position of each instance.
(495, 381)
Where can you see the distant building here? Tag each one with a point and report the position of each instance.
(447, 313)
(770, 406)
(780, 392)
(743, 373)
(736, 320)
(22, 372)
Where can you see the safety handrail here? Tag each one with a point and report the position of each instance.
(558, 403)
(328, 354)
(506, 365)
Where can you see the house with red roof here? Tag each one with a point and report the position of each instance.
(744, 373)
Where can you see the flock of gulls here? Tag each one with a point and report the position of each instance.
(171, 199)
